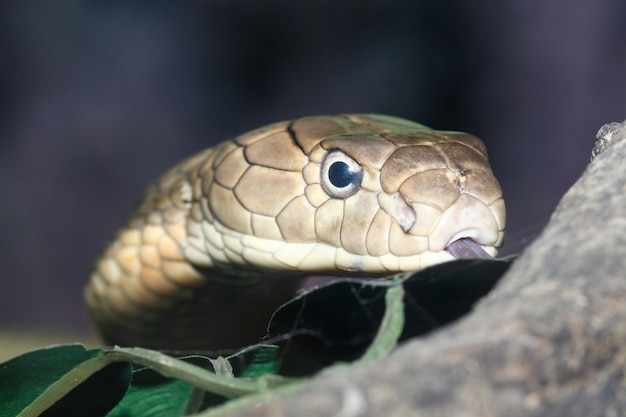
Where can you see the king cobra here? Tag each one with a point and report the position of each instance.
(224, 237)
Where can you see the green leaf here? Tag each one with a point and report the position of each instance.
(71, 381)
(36, 383)
(199, 377)
(265, 362)
(326, 324)
(448, 291)
(338, 321)
(343, 321)
(391, 325)
(154, 395)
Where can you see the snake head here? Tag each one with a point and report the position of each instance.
(415, 196)
(365, 193)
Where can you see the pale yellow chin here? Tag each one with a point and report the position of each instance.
(225, 246)
(231, 247)
(390, 263)
(318, 257)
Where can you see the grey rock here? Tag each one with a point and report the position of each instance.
(605, 136)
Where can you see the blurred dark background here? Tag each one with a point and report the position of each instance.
(99, 97)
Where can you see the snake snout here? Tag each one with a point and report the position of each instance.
(457, 217)
(467, 228)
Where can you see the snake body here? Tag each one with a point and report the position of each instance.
(225, 236)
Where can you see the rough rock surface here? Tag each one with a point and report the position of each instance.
(549, 340)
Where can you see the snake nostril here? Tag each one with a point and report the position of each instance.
(461, 176)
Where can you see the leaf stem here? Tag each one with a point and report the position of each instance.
(390, 327)
(192, 374)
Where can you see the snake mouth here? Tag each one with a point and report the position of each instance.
(467, 248)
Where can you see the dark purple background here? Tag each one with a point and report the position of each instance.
(98, 97)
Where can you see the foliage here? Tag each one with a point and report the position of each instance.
(339, 324)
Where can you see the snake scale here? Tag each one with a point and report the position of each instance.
(227, 235)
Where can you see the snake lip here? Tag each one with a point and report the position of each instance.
(467, 248)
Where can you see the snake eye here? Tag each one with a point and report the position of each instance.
(341, 175)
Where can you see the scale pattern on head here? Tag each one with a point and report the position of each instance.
(354, 193)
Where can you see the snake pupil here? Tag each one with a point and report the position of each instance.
(340, 175)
